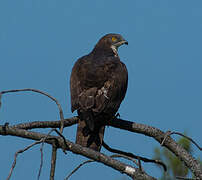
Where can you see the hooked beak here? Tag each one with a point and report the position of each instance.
(125, 42)
(121, 43)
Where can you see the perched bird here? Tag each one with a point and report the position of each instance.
(98, 85)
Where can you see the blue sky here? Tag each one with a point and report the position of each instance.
(41, 40)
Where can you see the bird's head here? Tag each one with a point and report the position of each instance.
(111, 41)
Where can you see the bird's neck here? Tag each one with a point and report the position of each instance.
(105, 51)
(115, 50)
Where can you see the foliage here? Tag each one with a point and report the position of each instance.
(174, 165)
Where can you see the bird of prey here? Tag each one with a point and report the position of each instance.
(98, 85)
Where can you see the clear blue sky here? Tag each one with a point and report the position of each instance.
(41, 40)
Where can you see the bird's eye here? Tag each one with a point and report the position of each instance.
(114, 39)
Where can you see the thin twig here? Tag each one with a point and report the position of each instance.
(66, 146)
(41, 150)
(18, 152)
(185, 178)
(89, 161)
(165, 137)
(53, 161)
(38, 91)
(125, 157)
(139, 163)
(134, 156)
(169, 133)
(85, 162)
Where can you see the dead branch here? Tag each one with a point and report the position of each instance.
(159, 135)
(89, 161)
(53, 161)
(139, 158)
(77, 149)
(41, 92)
(150, 131)
(125, 157)
(41, 150)
(169, 133)
(17, 153)
(47, 124)
(64, 140)
(179, 177)
(74, 170)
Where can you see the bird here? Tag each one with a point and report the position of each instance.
(98, 85)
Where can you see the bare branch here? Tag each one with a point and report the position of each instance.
(163, 138)
(53, 161)
(140, 165)
(125, 157)
(77, 149)
(64, 140)
(38, 91)
(179, 177)
(159, 135)
(41, 163)
(74, 170)
(169, 133)
(47, 124)
(17, 153)
(134, 156)
(150, 131)
(89, 161)
(41, 150)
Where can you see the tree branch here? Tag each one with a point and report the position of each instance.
(139, 158)
(17, 153)
(43, 93)
(53, 161)
(159, 135)
(89, 161)
(75, 169)
(190, 139)
(47, 124)
(77, 149)
(150, 131)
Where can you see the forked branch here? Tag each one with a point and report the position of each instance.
(164, 139)
(77, 149)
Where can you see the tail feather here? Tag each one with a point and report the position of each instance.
(87, 138)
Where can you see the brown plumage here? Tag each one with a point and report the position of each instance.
(98, 85)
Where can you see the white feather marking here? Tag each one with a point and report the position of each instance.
(106, 96)
(130, 170)
(114, 49)
(105, 93)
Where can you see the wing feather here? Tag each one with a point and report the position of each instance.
(98, 84)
